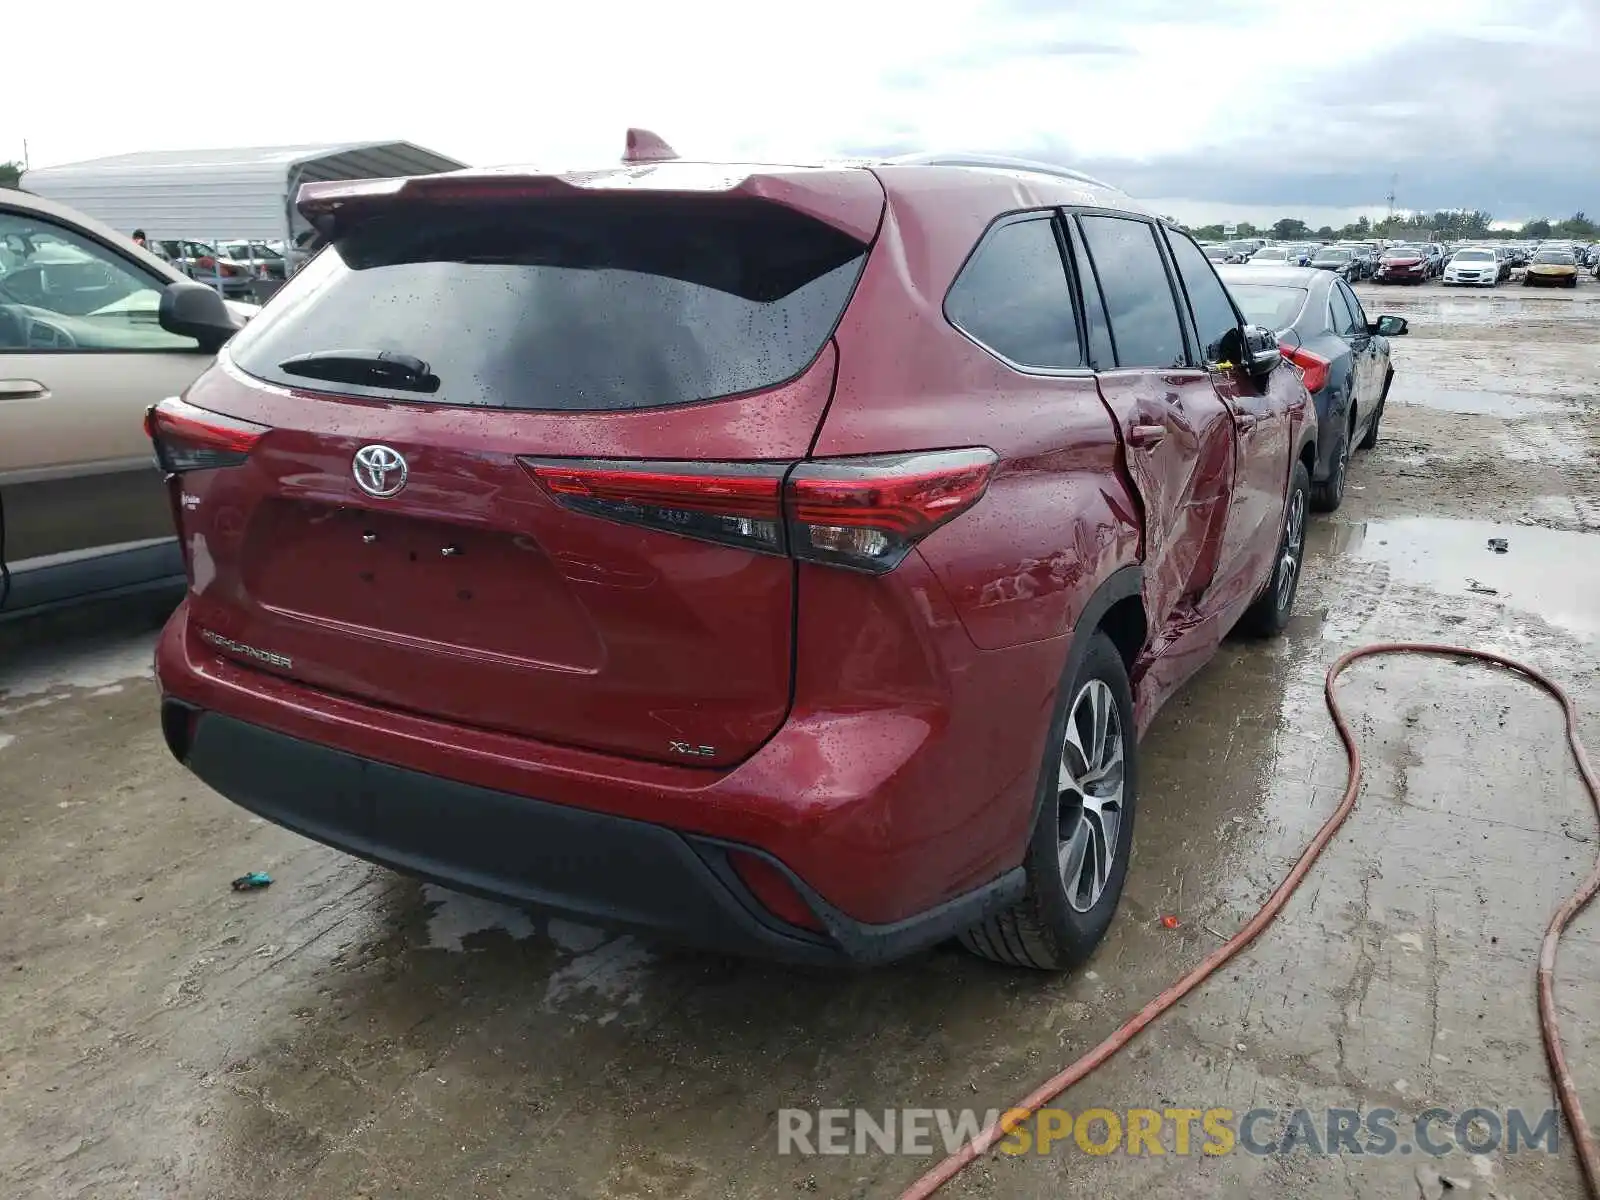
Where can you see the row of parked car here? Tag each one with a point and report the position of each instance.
(233, 266)
(646, 582)
(1466, 264)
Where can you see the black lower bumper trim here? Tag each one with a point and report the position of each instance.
(606, 869)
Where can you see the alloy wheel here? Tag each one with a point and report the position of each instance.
(1294, 539)
(1340, 466)
(1090, 795)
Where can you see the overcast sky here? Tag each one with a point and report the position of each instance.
(1209, 109)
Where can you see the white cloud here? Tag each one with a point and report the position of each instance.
(1136, 81)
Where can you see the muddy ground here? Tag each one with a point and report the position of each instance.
(349, 1032)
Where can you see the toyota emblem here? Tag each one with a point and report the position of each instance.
(379, 471)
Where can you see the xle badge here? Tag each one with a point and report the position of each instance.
(696, 751)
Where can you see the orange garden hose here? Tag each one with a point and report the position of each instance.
(1560, 1073)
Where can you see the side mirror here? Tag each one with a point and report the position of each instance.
(1390, 326)
(195, 310)
(1261, 355)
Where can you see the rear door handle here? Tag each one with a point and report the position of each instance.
(22, 389)
(1146, 437)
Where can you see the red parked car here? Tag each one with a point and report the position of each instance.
(778, 559)
(1403, 264)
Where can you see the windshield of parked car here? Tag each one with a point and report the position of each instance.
(1474, 256)
(1333, 254)
(589, 305)
(1403, 252)
(1271, 253)
(1559, 258)
(1269, 304)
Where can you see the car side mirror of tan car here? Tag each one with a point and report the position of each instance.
(194, 310)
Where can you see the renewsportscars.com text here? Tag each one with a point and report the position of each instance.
(1149, 1132)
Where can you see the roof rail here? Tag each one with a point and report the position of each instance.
(999, 162)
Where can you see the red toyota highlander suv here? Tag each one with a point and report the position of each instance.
(778, 559)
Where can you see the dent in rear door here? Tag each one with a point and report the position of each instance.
(1176, 433)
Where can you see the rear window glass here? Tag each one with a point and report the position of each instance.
(593, 305)
(1269, 305)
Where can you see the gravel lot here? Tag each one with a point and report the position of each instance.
(349, 1032)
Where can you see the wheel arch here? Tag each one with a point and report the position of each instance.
(1117, 609)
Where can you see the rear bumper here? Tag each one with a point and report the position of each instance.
(872, 796)
(592, 866)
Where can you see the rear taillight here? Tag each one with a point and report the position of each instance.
(736, 504)
(862, 513)
(867, 513)
(1314, 366)
(187, 438)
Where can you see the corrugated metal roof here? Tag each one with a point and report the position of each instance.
(243, 192)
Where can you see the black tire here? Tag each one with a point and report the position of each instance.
(1329, 494)
(1053, 928)
(1269, 615)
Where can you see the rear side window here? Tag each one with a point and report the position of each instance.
(589, 306)
(1138, 295)
(1214, 315)
(1013, 297)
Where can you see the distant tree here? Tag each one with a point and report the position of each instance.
(1326, 233)
(1357, 231)
(1577, 225)
(10, 174)
(1289, 229)
(1207, 233)
(1246, 229)
(1536, 229)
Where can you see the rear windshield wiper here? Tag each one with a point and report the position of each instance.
(370, 368)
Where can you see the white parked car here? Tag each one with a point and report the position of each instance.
(1273, 256)
(1474, 266)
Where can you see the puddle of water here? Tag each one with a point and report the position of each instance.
(455, 916)
(1473, 403)
(606, 981)
(101, 663)
(1550, 574)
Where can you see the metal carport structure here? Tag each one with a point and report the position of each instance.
(244, 193)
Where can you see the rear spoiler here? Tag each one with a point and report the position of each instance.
(849, 199)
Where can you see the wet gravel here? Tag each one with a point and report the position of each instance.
(348, 1032)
